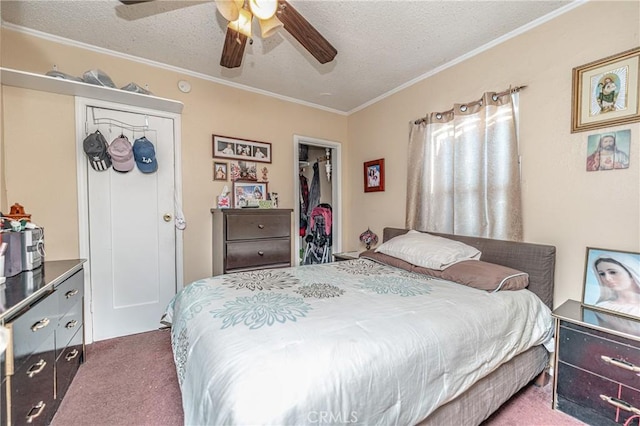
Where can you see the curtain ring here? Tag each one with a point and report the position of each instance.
(463, 108)
(439, 116)
(494, 97)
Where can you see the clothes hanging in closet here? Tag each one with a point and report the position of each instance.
(304, 203)
(314, 192)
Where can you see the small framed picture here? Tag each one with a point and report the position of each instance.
(612, 282)
(605, 92)
(248, 194)
(374, 175)
(608, 151)
(220, 171)
(244, 170)
(241, 149)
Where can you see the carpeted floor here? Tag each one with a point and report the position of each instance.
(132, 381)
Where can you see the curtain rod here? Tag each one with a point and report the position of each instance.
(499, 94)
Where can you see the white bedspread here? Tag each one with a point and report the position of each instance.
(350, 342)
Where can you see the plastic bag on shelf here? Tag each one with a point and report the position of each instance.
(98, 77)
(133, 87)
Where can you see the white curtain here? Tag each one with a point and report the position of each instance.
(463, 170)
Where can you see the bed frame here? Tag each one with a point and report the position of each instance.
(489, 393)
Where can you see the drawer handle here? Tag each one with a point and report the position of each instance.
(620, 363)
(40, 324)
(71, 293)
(71, 355)
(620, 404)
(36, 368)
(39, 408)
(261, 226)
(261, 253)
(71, 324)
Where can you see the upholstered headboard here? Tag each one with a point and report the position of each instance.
(538, 260)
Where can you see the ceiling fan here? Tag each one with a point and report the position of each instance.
(271, 15)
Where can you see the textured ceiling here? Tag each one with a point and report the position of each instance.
(382, 45)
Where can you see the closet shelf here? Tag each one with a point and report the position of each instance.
(45, 83)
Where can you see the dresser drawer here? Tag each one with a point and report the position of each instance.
(68, 363)
(68, 326)
(585, 389)
(256, 226)
(70, 292)
(251, 254)
(32, 387)
(603, 354)
(32, 327)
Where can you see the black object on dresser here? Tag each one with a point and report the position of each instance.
(42, 312)
(248, 239)
(597, 371)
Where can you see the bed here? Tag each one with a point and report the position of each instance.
(361, 341)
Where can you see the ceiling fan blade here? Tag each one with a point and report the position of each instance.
(305, 33)
(233, 49)
(127, 2)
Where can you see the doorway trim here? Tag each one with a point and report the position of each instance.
(336, 189)
(81, 104)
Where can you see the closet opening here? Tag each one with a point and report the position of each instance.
(317, 189)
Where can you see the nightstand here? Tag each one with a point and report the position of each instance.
(346, 255)
(597, 366)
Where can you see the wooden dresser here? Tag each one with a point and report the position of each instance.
(248, 239)
(44, 321)
(597, 373)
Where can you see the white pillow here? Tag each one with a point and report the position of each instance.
(429, 251)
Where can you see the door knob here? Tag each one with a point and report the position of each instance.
(167, 217)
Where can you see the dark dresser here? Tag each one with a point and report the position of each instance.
(248, 239)
(597, 369)
(42, 313)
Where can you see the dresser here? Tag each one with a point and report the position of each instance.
(249, 239)
(43, 317)
(597, 368)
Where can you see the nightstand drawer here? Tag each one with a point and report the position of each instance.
(603, 354)
(585, 389)
(255, 226)
(258, 253)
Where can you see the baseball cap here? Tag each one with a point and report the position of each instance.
(145, 155)
(95, 146)
(121, 154)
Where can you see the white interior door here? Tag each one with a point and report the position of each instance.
(132, 236)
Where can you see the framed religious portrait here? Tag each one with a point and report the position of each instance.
(612, 282)
(241, 149)
(248, 194)
(374, 175)
(605, 92)
(220, 171)
(609, 150)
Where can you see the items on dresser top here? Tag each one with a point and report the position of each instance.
(248, 239)
(25, 250)
(43, 317)
(597, 376)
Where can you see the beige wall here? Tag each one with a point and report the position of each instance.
(40, 140)
(564, 205)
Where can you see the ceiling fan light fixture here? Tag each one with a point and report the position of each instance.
(243, 23)
(230, 9)
(269, 27)
(263, 9)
